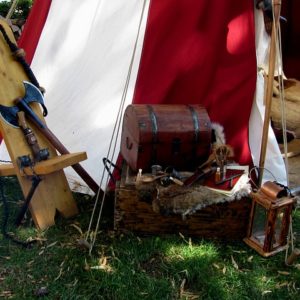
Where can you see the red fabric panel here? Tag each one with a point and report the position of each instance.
(202, 52)
(33, 27)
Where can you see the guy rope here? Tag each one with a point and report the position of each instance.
(91, 235)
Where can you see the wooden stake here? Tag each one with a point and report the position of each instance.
(11, 10)
(269, 90)
(294, 255)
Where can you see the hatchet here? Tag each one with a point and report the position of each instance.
(33, 94)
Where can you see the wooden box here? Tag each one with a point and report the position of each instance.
(134, 212)
(167, 135)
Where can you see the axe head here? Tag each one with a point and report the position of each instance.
(32, 94)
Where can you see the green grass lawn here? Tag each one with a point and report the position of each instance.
(126, 266)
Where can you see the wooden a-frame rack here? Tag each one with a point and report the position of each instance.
(53, 192)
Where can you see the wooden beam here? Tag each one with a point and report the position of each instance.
(47, 166)
(269, 89)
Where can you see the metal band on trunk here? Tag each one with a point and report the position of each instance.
(154, 128)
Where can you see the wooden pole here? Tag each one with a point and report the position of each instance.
(269, 89)
(292, 258)
(11, 10)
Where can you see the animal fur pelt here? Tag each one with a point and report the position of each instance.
(219, 135)
(187, 200)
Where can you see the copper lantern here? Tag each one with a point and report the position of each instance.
(269, 219)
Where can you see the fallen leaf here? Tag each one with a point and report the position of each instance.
(62, 263)
(52, 244)
(5, 257)
(77, 228)
(86, 265)
(266, 292)
(75, 282)
(30, 263)
(283, 273)
(239, 251)
(105, 268)
(224, 270)
(235, 265)
(264, 279)
(103, 265)
(181, 235)
(103, 261)
(185, 271)
(59, 274)
(190, 295)
(181, 289)
(216, 266)
(250, 258)
(6, 294)
(280, 285)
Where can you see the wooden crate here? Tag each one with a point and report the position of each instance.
(227, 220)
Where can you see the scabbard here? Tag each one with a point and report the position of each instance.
(198, 175)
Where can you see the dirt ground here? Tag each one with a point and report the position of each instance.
(294, 163)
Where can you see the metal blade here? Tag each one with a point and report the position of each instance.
(9, 115)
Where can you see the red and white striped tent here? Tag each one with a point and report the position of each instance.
(185, 51)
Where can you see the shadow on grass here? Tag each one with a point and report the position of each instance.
(126, 266)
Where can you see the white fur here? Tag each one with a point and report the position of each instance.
(219, 133)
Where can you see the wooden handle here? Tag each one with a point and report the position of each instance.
(22, 120)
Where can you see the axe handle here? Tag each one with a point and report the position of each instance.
(50, 136)
(29, 135)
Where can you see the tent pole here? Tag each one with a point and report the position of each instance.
(11, 10)
(269, 89)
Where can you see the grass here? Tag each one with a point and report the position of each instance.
(126, 266)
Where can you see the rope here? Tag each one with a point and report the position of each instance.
(282, 99)
(290, 237)
(11, 10)
(113, 143)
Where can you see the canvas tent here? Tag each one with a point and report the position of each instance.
(91, 54)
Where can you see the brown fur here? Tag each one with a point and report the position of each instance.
(187, 200)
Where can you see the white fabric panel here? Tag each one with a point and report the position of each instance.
(274, 164)
(82, 60)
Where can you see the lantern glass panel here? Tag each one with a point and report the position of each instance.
(278, 227)
(259, 223)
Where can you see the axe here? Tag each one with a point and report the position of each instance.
(33, 94)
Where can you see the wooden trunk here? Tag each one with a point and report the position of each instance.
(167, 135)
(226, 221)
